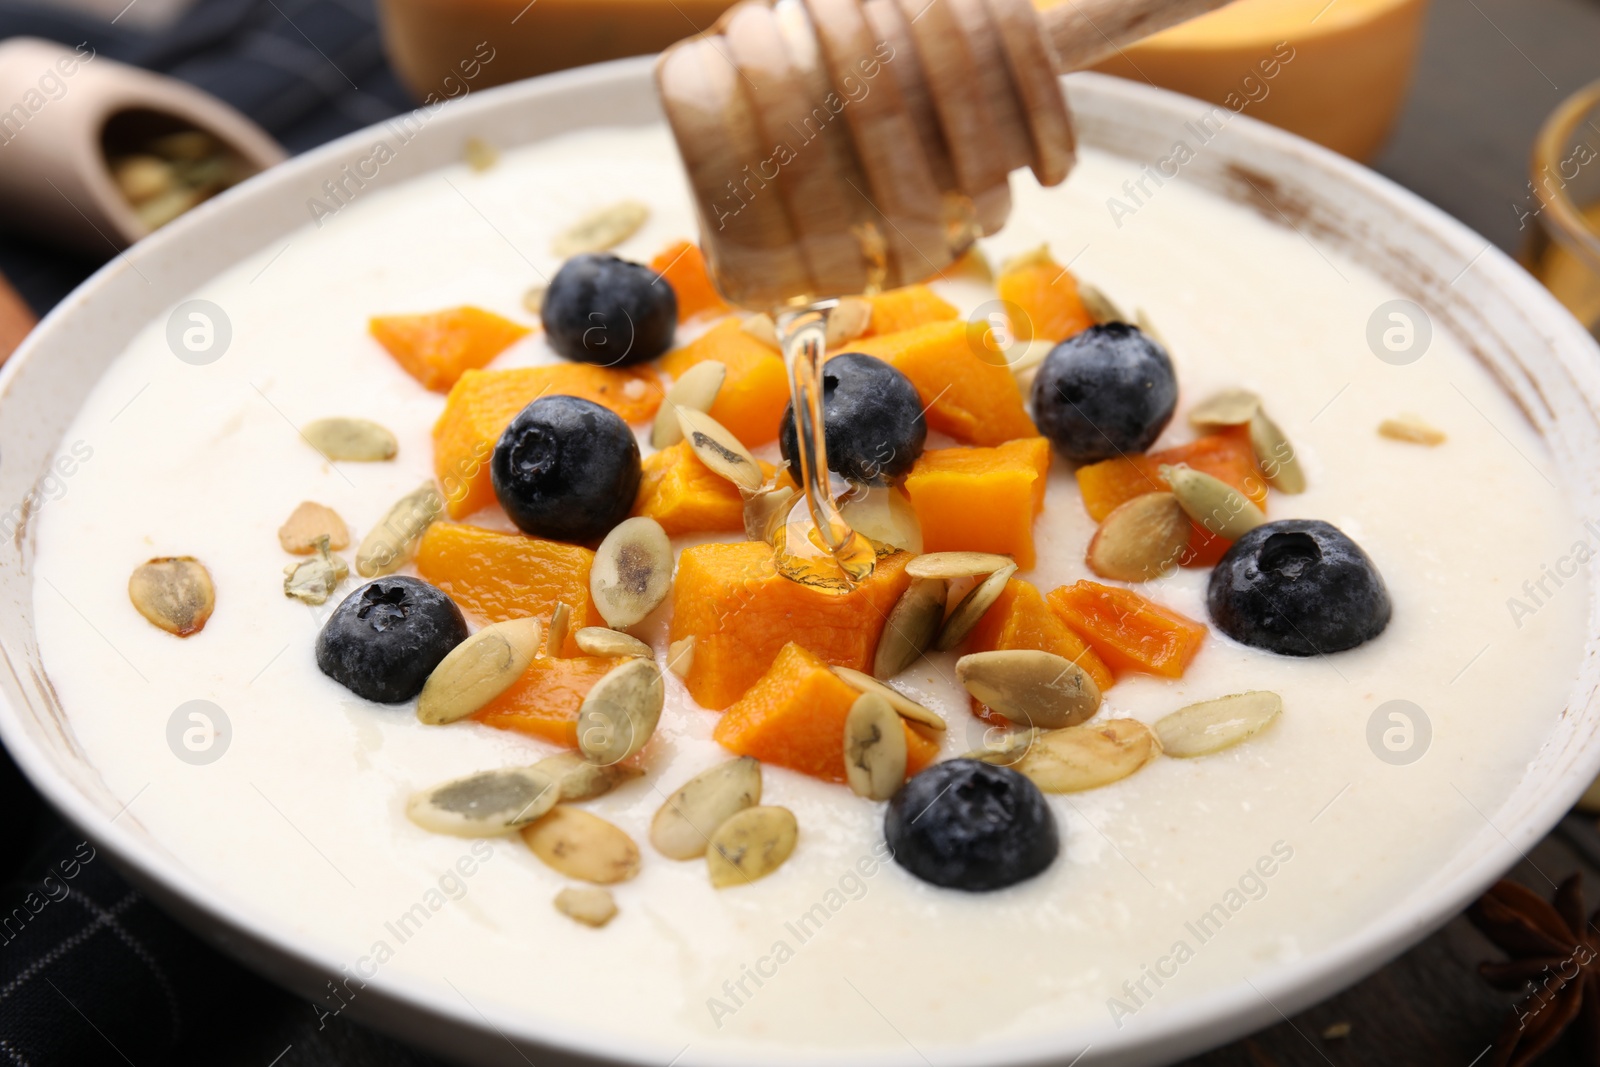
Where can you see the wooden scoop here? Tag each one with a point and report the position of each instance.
(843, 146)
(16, 320)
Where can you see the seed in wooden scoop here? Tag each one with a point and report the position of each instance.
(390, 545)
(1412, 430)
(560, 625)
(719, 450)
(848, 320)
(696, 390)
(683, 826)
(578, 779)
(766, 511)
(1006, 750)
(478, 670)
(903, 705)
(1217, 506)
(883, 515)
(1100, 307)
(680, 656)
(874, 748)
(632, 571)
(972, 608)
(1088, 756)
(599, 641)
(1141, 540)
(751, 845)
(143, 178)
(1030, 687)
(620, 713)
(174, 592)
(486, 804)
(1275, 455)
(1231, 407)
(599, 230)
(351, 440)
(949, 565)
(307, 523)
(583, 846)
(763, 329)
(1213, 725)
(587, 905)
(911, 627)
(314, 580)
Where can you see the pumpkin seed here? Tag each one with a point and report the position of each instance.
(1275, 455)
(680, 656)
(1008, 750)
(972, 608)
(1213, 725)
(874, 748)
(485, 804)
(478, 670)
(1231, 407)
(1148, 328)
(751, 845)
(1030, 687)
(599, 230)
(309, 522)
(957, 564)
(1027, 355)
(560, 625)
(910, 629)
(718, 449)
(683, 826)
(903, 705)
(632, 571)
(766, 511)
(578, 779)
(848, 320)
(1089, 756)
(620, 713)
(1411, 429)
(143, 177)
(533, 299)
(173, 592)
(1033, 257)
(583, 845)
(314, 580)
(1100, 307)
(1141, 540)
(351, 440)
(1217, 506)
(599, 641)
(763, 329)
(390, 545)
(883, 515)
(697, 390)
(587, 905)
(479, 154)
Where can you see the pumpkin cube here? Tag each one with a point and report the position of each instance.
(1043, 300)
(905, 308)
(686, 497)
(437, 348)
(683, 265)
(498, 576)
(544, 702)
(756, 390)
(1127, 631)
(981, 499)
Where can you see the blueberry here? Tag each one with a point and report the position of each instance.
(384, 640)
(963, 824)
(566, 469)
(1298, 587)
(872, 417)
(605, 310)
(1104, 392)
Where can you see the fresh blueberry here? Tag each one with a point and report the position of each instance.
(384, 640)
(566, 469)
(605, 310)
(1298, 587)
(1107, 391)
(872, 418)
(964, 824)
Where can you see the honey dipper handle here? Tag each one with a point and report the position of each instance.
(1084, 32)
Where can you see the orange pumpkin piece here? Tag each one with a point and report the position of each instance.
(741, 613)
(437, 348)
(1226, 455)
(483, 403)
(685, 497)
(1046, 295)
(794, 716)
(981, 499)
(683, 265)
(756, 390)
(905, 308)
(1128, 632)
(959, 374)
(498, 576)
(544, 702)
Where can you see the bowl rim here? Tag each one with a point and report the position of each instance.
(1186, 1026)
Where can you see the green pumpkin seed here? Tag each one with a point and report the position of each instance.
(903, 705)
(1213, 725)
(632, 571)
(599, 641)
(972, 608)
(1088, 756)
(588, 905)
(1231, 407)
(390, 545)
(950, 565)
(578, 779)
(582, 845)
(1216, 506)
(620, 713)
(695, 390)
(874, 748)
(314, 580)
(1275, 455)
(351, 440)
(751, 845)
(485, 804)
(1030, 687)
(478, 670)
(602, 229)
(911, 627)
(1141, 540)
(175, 593)
(683, 826)
(720, 450)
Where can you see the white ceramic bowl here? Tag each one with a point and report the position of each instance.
(1544, 360)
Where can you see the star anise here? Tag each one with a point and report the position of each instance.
(1555, 961)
